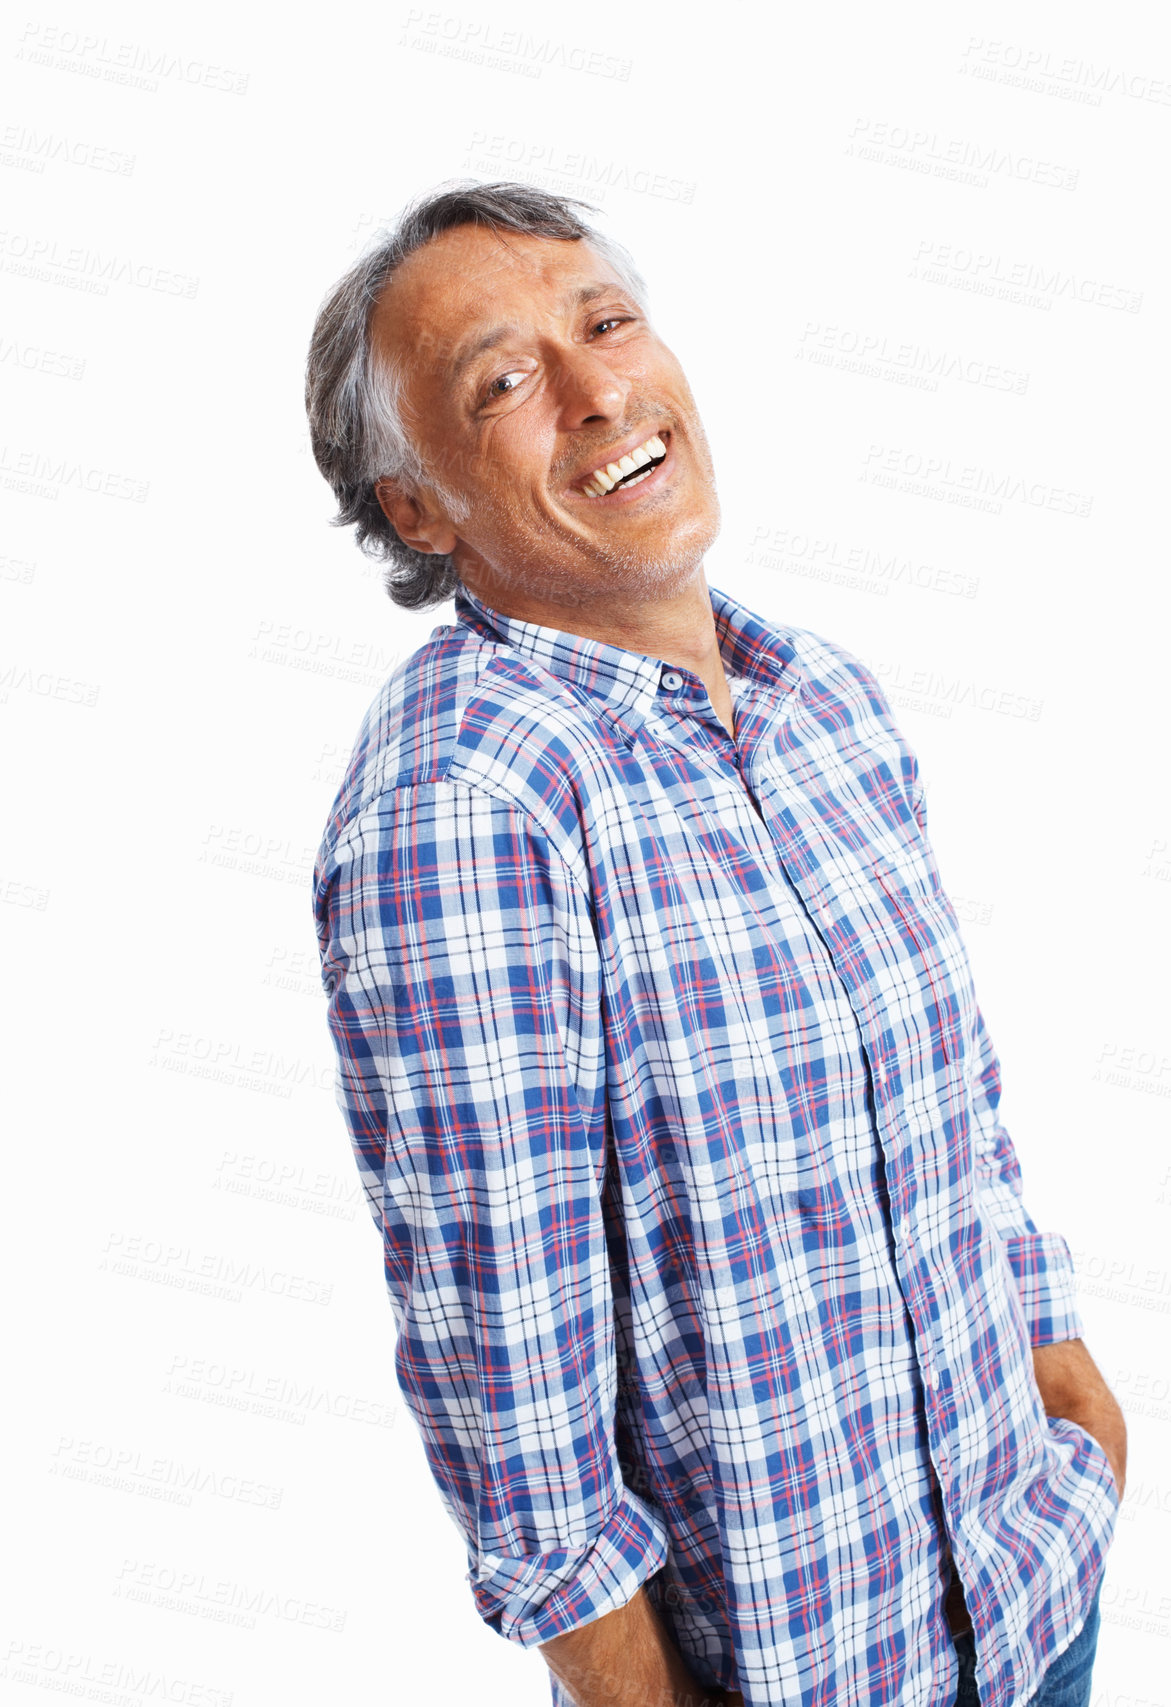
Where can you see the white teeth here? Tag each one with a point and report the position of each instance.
(638, 478)
(604, 480)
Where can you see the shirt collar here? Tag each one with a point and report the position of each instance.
(628, 682)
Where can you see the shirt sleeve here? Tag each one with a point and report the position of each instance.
(1041, 1262)
(465, 1009)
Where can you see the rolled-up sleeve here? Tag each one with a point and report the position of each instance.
(1040, 1262)
(465, 1007)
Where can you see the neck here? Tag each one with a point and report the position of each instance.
(679, 628)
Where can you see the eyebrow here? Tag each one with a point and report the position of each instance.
(580, 298)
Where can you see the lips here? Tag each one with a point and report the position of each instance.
(629, 469)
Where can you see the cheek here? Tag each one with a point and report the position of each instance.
(514, 453)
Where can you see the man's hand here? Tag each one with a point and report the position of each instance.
(1071, 1385)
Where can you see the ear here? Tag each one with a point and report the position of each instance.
(416, 518)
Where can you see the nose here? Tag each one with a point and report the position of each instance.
(588, 389)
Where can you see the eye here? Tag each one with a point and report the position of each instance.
(506, 382)
(612, 320)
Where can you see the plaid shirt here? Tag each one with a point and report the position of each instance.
(678, 1119)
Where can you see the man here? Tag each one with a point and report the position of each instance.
(736, 1356)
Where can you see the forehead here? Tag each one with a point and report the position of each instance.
(470, 280)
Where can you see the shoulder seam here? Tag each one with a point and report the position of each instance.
(486, 792)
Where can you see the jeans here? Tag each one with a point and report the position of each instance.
(1065, 1684)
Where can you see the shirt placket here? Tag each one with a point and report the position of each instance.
(784, 832)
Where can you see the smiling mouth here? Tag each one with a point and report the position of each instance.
(637, 465)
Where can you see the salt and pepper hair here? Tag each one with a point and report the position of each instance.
(352, 397)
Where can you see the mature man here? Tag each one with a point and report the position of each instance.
(737, 1359)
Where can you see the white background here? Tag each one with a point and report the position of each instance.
(914, 260)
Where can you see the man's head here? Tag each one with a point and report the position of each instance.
(469, 378)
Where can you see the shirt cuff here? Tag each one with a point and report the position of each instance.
(537, 1596)
(1044, 1273)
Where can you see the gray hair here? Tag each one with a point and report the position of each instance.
(352, 399)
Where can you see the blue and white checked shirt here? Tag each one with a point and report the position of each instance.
(675, 1110)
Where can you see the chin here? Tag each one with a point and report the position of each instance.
(675, 556)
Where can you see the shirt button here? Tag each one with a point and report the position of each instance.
(672, 680)
(933, 1379)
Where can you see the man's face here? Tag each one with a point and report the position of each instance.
(527, 369)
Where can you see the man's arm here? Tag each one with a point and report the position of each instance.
(465, 1009)
(626, 1659)
(1071, 1385)
(1068, 1379)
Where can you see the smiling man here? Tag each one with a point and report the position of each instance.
(737, 1359)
